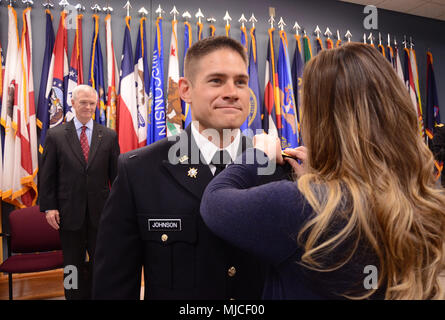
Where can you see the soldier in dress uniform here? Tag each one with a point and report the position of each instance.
(151, 218)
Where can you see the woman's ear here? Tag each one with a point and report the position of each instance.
(185, 87)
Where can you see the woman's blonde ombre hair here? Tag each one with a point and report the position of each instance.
(360, 128)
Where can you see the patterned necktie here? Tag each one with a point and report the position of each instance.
(84, 143)
(220, 160)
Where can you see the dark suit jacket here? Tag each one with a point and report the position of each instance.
(152, 219)
(68, 183)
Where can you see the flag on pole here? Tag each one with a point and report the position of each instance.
(199, 30)
(212, 30)
(398, 64)
(112, 77)
(382, 49)
(413, 61)
(253, 121)
(288, 111)
(43, 102)
(158, 127)
(75, 76)
(432, 114)
(96, 73)
(58, 72)
(173, 119)
(24, 191)
(187, 115)
(142, 75)
(330, 43)
(127, 106)
(297, 77)
(8, 102)
(409, 82)
(270, 118)
(319, 44)
(244, 38)
(390, 54)
(307, 49)
(338, 43)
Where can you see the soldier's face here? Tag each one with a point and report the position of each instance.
(219, 92)
(84, 105)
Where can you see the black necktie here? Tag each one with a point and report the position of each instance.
(220, 160)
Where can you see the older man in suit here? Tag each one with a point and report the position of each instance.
(152, 216)
(78, 165)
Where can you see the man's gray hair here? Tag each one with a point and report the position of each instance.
(82, 87)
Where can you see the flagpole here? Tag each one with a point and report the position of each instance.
(199, 15)
(227, 19)
(211, 20)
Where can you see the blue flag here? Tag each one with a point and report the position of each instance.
(187, 44)
(96, 73)
(297, 81)
(289, 132)
(42, 104)
(157, 87)
(253, 120)
(432, 113)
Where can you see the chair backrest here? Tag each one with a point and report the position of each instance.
(30, 232)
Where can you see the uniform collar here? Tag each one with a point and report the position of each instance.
(208, 149)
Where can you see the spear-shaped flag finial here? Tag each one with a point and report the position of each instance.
(199, 15)
(281, 24)
(297, 28)
(328, 33)
(371, 38)
(159, 11)
(143, 12)
(242, 20)
(128, 7)
(174, 12)
(227, 18)
(348, 35)
(253, 20)
(317, 31)
(186, 15)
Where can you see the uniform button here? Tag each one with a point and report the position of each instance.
(164, 237)
(231, 272)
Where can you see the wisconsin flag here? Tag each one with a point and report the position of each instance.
(270, 118)
(43, 102)
(9, 99)
(289, 115)
(173, 119)
(187, 115)
(253, 121)
(157, 87)
(112, 77)
(96, 73)
(128, 122)
(142, 76)
(75, 76)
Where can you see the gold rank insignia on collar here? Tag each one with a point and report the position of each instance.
(192, 173)
(183, 158)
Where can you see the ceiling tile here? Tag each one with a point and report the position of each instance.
(401, 5)
(430, 10)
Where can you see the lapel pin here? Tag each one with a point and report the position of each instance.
(192, 173)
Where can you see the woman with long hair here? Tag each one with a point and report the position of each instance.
(363, 218)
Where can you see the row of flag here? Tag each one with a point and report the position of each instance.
(134, 102)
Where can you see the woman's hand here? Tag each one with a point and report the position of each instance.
(270, 145)
(299, 153)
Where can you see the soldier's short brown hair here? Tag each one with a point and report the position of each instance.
(206, 46)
